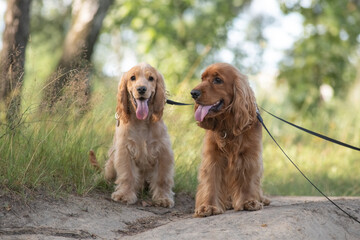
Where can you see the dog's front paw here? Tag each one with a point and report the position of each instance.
(253, 205)
(164, 202)
(207, 210)
(250, 205)
(265, 201)
(128, 198)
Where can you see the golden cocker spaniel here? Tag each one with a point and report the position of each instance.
(141, 151)
(231, 168)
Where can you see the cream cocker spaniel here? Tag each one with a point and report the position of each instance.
(141, 151)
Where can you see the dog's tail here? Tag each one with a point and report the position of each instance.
(93, 161)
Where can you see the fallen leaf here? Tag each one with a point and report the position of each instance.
(7, 207)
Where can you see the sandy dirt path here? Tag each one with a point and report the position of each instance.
(97, 217)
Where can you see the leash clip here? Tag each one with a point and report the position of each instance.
(117, 117)
(258, 115)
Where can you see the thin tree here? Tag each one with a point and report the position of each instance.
(12, 56)
(87, 18)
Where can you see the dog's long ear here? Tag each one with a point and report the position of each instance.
(244, 105)
(159, 98)
(122, 107)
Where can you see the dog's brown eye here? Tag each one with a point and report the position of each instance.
(133, 78)
(217, 80)
(151, 78)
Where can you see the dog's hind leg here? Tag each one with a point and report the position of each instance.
(110, 173)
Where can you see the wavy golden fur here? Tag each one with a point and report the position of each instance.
(231, 168)
(141, 151)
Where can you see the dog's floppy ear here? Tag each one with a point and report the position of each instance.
(244, 106)
(122, 107)
(159, 98)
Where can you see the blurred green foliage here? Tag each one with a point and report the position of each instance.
(173, 35)
(327, 52)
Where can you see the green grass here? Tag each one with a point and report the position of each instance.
(333, 168)
(50, 151)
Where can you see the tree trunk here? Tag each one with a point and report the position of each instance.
(12, 56)
(73, 68)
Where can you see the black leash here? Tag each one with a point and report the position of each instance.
(313, 133)
(171, 102)
(263, 124)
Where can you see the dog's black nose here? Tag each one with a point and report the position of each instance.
(141, 90)
(195, 94)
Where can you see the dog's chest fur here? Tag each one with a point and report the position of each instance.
(233, 146)
(228, 146)
(143, 150)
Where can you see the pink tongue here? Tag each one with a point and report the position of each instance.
(142, 109)
(201, 112)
